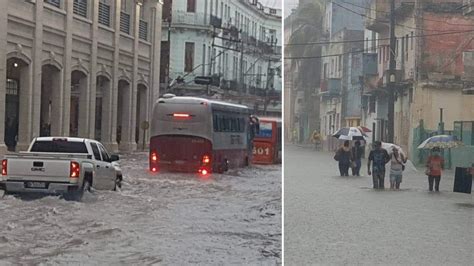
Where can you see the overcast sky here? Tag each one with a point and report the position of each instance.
(289, 5)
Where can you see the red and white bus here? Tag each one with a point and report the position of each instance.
(267, 143)
(190, 134)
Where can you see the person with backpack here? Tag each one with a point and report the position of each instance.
(379, 157)
(344, 157)
(357, 152)
(397, 166)
(435, 165)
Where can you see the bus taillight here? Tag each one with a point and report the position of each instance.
(206, 159)
(4, 166)
(203, 171)
(154, 161)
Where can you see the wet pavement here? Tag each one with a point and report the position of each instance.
(156, 219)
(341, 220)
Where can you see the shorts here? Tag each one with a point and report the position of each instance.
(395, 177)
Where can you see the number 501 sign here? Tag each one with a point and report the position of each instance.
(261, 151)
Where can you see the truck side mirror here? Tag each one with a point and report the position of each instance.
(114, 157)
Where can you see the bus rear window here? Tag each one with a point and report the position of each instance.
(60, 146)
(265, 130)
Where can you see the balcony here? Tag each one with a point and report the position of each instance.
(191, 20)
(376, 18)
(330, 87)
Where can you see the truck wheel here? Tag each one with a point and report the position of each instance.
(118, 183)
(77, 195)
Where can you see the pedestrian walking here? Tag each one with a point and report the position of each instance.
(316, 139)
(357, 152)
(397, 166)
(344, 157)
(434, 167)
(379, 157)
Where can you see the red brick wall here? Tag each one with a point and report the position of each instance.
(444, 53)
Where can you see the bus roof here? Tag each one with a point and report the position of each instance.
(276, 119)
(185, 99)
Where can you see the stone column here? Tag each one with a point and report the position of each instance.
(37, 68)
(93, 67)
(3, 72)
(25, 115)
(57, 103)
(110, 141)
(128, 126)
(84, 105)
(67, 62)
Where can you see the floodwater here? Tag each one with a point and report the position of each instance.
(162, 219)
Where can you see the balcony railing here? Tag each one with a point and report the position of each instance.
(330, 87)
(194, 19)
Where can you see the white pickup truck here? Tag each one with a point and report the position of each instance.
(61, 165)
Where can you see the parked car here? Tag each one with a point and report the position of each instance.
(61, 165)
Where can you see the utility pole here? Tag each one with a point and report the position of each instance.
(269, 77)
(241, 71)
(391, 79)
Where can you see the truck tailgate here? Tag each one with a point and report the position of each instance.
(38, 169)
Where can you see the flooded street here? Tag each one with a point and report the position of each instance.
(334, 220)
(164, 219)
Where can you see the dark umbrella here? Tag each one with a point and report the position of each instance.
(350, 133)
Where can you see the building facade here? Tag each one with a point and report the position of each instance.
(237, 43)
(432, 72)
(86, 68)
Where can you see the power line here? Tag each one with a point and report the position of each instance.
(378, 39)
(386, 12)
(333, 55)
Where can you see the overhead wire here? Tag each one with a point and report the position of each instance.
(377, 39)
(386, 12)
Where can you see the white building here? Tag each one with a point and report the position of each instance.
(201, 38)
(87, 68)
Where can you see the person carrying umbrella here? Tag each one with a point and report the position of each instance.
(434, 165)
(344, 157)
(379, 157)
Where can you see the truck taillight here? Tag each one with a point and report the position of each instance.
(154, 158)
(206, 159)
(4, 167)
(74, 170)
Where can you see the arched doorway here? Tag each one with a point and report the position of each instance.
(123, 112)
(17, 80)
(141, 113)
(78, 115)
(102, 108)
(50, 120)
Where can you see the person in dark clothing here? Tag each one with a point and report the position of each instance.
(357, 152)
(379, 157)
(344, 157)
